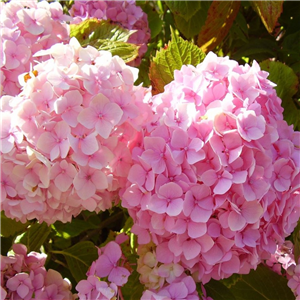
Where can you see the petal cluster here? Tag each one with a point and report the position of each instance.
(23, 276)
(27, 27)
(66, 138)
(110, 264)
(215, 179)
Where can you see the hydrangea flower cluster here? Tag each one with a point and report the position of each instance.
(65, 139)
(110, 264)
(215, 179)
(23, 276)
(124, 13)
(27, 27)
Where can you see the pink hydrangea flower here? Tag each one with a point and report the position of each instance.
(218, 149)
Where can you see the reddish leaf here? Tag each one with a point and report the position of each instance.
(269, 12)
(221, 15)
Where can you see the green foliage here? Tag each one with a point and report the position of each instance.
(11, 227)
(133, 289)
(173, 57)
(191, 27)
(105, 35)
(296, 241)
(259, 284)
(184, 9)
(269, 12)
(79, 258)
(221, 15)
(35, 236)
(287, 86)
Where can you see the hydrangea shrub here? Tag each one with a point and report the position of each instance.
(204, 174)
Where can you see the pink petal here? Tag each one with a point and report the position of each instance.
(236, 221)
(191, 249)
(196, 230)
(119, 276)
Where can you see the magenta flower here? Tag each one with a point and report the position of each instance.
(250, 126)
(107, 265)
(168, 200)
(185, 148)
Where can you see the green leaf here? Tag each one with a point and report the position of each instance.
(221, 15)
(91, 30)
(218, 291)
(35, 236)
(10, 227)
(258, 49)
(79, 258)
(74, 228)
(6, 244)
(232, 280)
(268, 11)
(261, 284)
(126, 51)
(287, 86)
(104, 35)
(184, 9)
(176, 54)
(291, 47)
(154, 20)
(296, 241)
(190, 28)
(133, 289)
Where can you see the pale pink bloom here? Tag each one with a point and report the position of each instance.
(83, 140)
(26, 118)
(69, 106)
(98, 160)
(198, 203)
(88, 180)
(243, 86)
(9, 134)
(63, 173)
(34, 20)
(44, 98)
(8, 186)
(121, 163)
(225, 123)
(221, 180)
(283, 175)
(250, 126)
(15, 54)
(155, 153)
(248, 213)
(101, 115)
(228, 148)
(256, 186)
(142, 175)
(55, 143)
